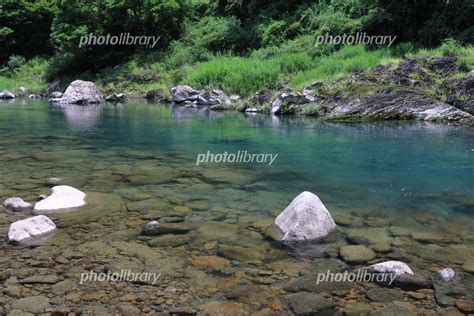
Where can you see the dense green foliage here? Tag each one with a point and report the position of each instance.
(237, 45)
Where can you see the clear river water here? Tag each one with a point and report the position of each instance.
(404, 189)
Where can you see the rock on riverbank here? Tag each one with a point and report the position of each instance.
(82, 92)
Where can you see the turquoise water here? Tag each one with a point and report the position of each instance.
(378, 165)
(403, 189)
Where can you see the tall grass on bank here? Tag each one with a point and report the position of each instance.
(341, 63)
(31, 75)
(245, 76)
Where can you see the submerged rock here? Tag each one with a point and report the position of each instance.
(30, 227)
(62, 197)
(33, 304)
(356, 253)
(155, 229)
(460, 287)
(306, 218)
(82, 92)
(304, 303)
(16, 204)
(396, 267)
(446, 275)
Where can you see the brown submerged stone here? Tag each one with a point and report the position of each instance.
(210, 262)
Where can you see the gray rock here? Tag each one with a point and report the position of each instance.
(16, 204)
(460, 287)
(304, 303)
(30, 227)
(446, 275)
(356, 253)
(34, 304)
(384, 295)
(396, 267)
(5, 94)
(181, 94)
(56, 86)
(212, 97)
(82, 92)
(62, 198)
(34, 96)
(394, 105)
(154, 94)
(116, 98)
(155, 229)
(306, 218)
(261, 97)
(22, 91)
(289, 98)
(40, 279)
(55, 95)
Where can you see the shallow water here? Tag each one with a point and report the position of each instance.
(383, 181)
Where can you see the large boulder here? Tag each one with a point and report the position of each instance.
(62, 197)
(82, 92)
(30, 227)
(5, 94)
(16, 204)
(394, 105)
(306, 218)
(181, 94)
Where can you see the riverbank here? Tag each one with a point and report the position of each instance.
(357, 86)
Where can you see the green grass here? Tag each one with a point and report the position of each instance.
(245, 76)
(30, 75)
(341, 63)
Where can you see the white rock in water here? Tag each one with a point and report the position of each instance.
(16, 204)
(82, 92)
(62, 197)
(306, 218)
(396, 267)
(30, 227)
(446, 275)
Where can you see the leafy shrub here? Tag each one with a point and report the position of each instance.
(15, 61)
(213, 33)
(449, 47)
